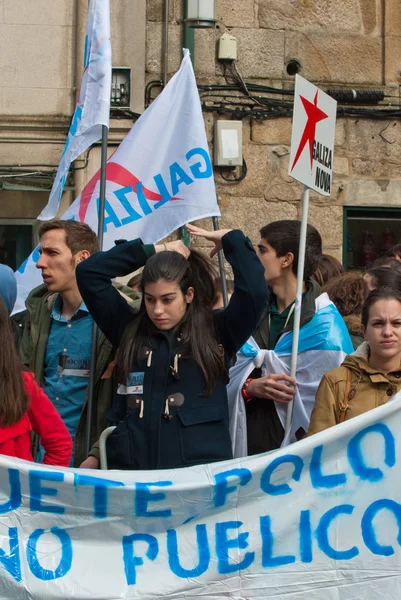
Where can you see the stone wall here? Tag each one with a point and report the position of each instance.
(339, 44)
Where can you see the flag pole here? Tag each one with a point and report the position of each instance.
(215, 221)
(92, 370)
(298, 301)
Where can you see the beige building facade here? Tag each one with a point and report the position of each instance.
(342, 45)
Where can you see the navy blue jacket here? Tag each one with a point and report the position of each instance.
(166, 422)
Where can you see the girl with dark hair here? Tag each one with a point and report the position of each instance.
(381, 277)
(24, 408)
(370, 376)
(173, 355)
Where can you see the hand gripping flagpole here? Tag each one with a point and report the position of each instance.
(92, 371)
(298, 302)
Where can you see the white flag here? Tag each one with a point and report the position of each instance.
(93, 107)
(159, 178)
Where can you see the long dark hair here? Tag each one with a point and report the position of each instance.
(375, 296)
(196, 328)
(14, 400)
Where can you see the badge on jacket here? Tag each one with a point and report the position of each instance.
(134, 384)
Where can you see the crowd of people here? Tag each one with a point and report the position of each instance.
(174, 366)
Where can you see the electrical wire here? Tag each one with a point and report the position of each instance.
(234, 179)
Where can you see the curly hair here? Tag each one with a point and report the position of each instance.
(348, 292)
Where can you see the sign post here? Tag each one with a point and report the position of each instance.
(311, 163)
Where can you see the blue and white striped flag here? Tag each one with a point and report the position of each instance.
(93, 106)
(324, 342)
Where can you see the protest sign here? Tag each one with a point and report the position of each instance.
(93, 106)
(312, 141)
(159, 178)
(321, 519)
(311, 163)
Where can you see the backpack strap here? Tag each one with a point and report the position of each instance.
(344, 404)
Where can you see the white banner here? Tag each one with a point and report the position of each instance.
(93, 106)
(159, 178)
(320, 519)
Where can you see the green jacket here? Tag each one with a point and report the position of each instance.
(33, 351)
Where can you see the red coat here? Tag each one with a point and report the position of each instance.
(44, 420)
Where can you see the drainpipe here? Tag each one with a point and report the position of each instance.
(189, 33)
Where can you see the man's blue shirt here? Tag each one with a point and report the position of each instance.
(67, 361)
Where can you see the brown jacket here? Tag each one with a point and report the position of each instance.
(372, 388)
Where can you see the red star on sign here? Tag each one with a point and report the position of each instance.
(314, 116)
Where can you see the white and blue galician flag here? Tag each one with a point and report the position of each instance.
(324, 342)
(159, 178)
(93, 106)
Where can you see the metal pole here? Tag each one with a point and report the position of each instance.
(92, 371)
(220, 257)
(298, 301)
(165, 41)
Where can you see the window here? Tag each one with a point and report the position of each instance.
(368, 234)
(18, 237)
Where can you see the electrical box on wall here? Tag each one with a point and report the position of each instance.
(120, 87)
(227, 47)
(228, 143)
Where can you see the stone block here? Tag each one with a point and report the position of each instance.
(336, 251)
(34, 57)
(379, 192)
(155, 10)
(393, 55)
(393, 17)
(314, 15)
(328, 220)
(39, 12)
(340, 137)
(178, 10)
(376, 168)
(361, 166)
(340, 165)
(250, 214)
(154, 33)
(289, 191)
(208, 119)
(205, 52)
(374, 139)
(339, 58)
(271, 131)
(254, 184)
(371, 13)
(260, 52)
(36, 101)
(236, 13)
